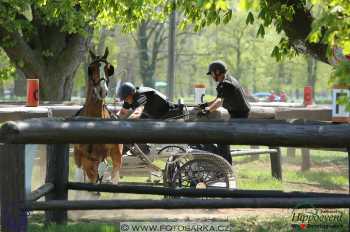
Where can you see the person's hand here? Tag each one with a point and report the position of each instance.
(203, 113)
(203, 105)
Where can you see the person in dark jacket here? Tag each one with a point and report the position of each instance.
(230, 95)
(146, 103)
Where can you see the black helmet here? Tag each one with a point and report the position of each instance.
(125, 90)
(217, 65)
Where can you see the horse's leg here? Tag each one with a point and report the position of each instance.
(116, 155)
(91, 169)
(79, 172)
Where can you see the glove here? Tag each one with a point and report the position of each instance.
(203, 113)
(203, 105)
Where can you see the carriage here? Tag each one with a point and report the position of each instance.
(185, 167)
(179, 165)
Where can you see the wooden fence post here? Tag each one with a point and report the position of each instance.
(57, 170)
(306, 161)
(12, 171)
(276, 166)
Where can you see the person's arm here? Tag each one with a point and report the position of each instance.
(214, 105)
(123, 113)
(206, 104)
(137, 113)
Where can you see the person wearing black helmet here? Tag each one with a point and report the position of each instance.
(145, 103)
(230, 95)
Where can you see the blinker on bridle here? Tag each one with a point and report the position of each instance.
(110, 72)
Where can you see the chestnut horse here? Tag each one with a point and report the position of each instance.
(89, 157)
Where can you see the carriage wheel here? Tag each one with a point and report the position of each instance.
(171, 150)
(201, 170)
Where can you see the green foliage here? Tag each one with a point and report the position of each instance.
(6, 69)
(202, 13)
(75, 16)
(331, 23)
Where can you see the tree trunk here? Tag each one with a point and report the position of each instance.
(281, 76)
(312, 73)
(1, 89)
(20, 84)
(238, 59)
(102, 41)
(146, 73)
(50, 55)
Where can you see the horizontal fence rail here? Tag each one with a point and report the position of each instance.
(283, 202)
(242, 131)
(190, 192)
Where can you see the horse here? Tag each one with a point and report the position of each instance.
(89, 157)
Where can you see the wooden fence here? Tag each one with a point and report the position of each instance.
(59, 133)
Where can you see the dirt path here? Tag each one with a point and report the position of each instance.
(161, 214)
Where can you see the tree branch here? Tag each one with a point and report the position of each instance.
(298, 30)
(152, 30)
(21, 54)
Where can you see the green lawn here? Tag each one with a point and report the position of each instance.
(328, 173)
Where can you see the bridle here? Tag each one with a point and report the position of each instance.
(110, 72)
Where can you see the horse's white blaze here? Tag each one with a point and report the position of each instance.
(103, 84)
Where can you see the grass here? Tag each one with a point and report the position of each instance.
(328, 172)
(78, 227)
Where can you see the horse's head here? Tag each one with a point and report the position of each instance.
(99, 72)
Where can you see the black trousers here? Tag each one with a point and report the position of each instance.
(225, 152)
(224, 149)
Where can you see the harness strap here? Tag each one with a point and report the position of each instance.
(111, 114)
(78, 112)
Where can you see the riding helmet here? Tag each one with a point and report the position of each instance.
(125, 90)
(217, 65)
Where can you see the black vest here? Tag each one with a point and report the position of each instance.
(234, 99)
